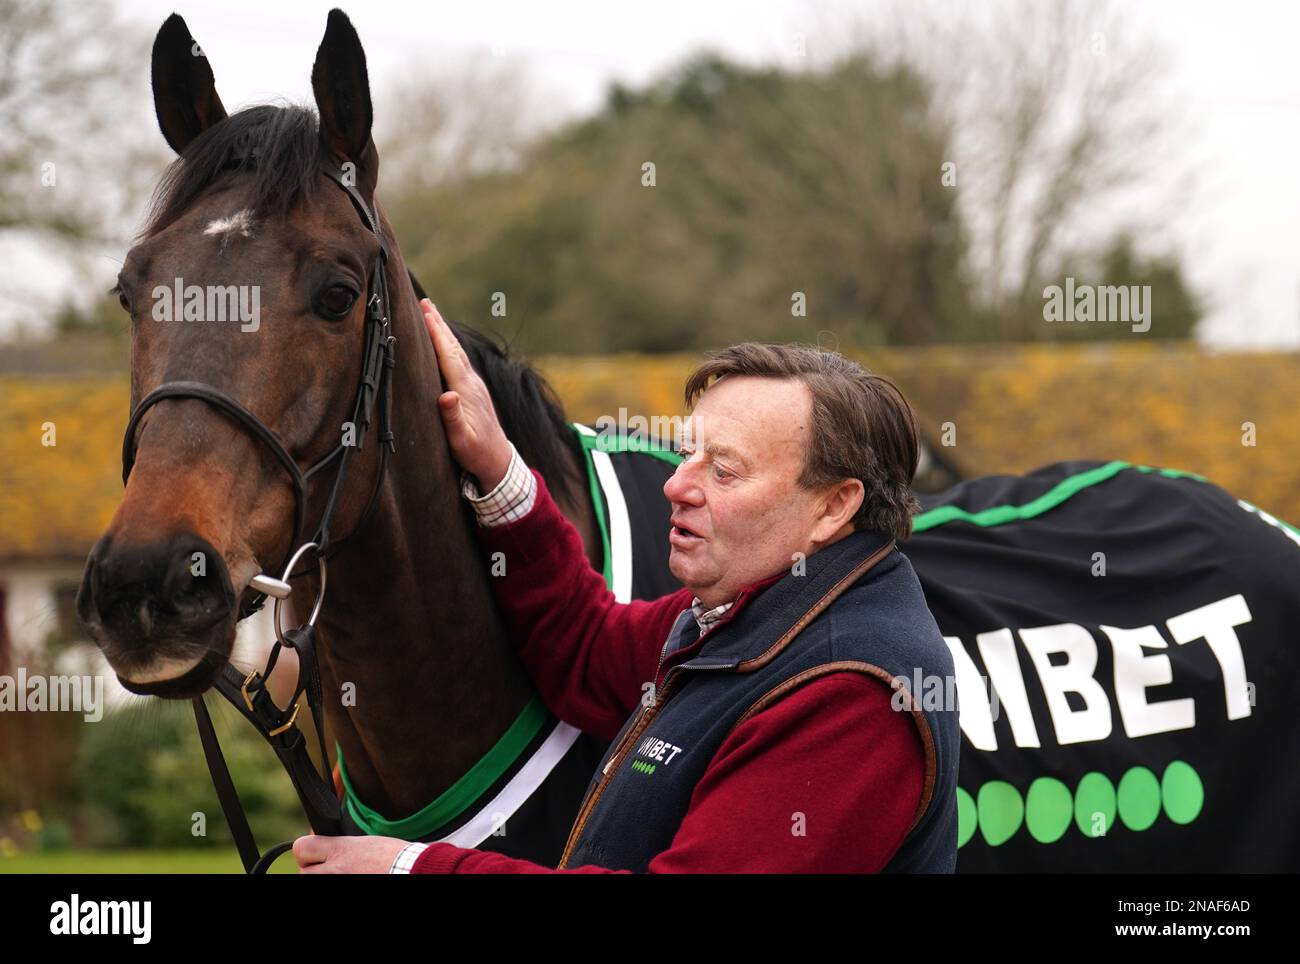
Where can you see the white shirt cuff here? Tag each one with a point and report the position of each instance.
(511, 499)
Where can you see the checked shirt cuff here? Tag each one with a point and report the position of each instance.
(406, 859)
(511, 500)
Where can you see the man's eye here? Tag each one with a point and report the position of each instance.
(720, 473)
(336, 302)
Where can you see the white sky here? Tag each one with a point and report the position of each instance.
(1234, 66)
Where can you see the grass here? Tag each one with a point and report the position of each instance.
(223, 861)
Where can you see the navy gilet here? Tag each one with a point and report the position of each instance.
(856, 605)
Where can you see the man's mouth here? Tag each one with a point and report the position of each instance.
(680, 535)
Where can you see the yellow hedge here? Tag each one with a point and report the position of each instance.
(1013, 408)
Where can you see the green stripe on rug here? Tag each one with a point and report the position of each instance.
(457, 798)
(1002, 514)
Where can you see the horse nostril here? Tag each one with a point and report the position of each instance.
(86, 608)
(199, 591)
(177, 586)
(196, 587)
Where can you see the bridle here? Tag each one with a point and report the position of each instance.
(375, 387)
(248, 694)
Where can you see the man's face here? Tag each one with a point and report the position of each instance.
(736, 491)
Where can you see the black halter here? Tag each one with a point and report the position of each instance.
(375, 386)
(248, 694)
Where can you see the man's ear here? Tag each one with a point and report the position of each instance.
(838, 506)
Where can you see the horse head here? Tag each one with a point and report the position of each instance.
(249, 283)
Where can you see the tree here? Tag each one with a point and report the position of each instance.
(716, 204)
(1174, 308)
(1058, 118)
(442, 124)
(72, 80)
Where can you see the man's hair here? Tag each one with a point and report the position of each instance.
(862, 426)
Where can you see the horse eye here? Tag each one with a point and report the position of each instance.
(121, 297)
(336, 302)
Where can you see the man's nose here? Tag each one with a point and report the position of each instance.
(682, 485)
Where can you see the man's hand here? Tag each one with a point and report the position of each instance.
(346, 855)
(477, 440)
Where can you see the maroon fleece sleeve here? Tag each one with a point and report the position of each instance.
(589, 656)
(825, 780)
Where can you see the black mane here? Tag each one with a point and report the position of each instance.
(286, 144)
(285, 140)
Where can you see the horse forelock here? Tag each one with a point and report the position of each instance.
(279, 146)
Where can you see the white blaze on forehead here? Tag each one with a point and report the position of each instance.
(241, 223)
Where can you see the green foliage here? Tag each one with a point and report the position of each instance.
(37, 751)
(766, 184)
(1175, 308)
(105, 318)
(142, 777)
(96, 339)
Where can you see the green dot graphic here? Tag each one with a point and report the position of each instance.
(1095, 795)
(966, 817)
(1139, 798)
(1048, 809)
(1000, 812)
(1182, 791)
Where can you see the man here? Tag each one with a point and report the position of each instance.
(760, 718)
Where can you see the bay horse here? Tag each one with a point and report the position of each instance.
(1124, 636)
(438, 723)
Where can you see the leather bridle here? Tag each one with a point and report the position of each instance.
(375, 387)
(248, 694)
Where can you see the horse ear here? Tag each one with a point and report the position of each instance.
(342, 89)
(184, 93)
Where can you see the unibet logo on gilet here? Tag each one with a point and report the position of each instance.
(654, 752)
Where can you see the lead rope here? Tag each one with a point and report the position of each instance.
(279, 728)
(226, 792)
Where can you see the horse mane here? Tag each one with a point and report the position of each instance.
(529, 410)
(279, 145)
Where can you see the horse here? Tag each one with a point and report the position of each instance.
(439, 730)
(1111, 624)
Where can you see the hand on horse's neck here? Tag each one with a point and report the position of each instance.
(410, 620)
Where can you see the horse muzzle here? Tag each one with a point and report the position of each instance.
(163, 613)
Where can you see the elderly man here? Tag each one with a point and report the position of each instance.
(766, 725)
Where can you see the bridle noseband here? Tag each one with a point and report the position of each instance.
(248, 694)
(375, 387)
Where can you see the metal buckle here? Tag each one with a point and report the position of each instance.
(248, 700)
(284, 726)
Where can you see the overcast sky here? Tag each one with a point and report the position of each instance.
(1235, 69)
